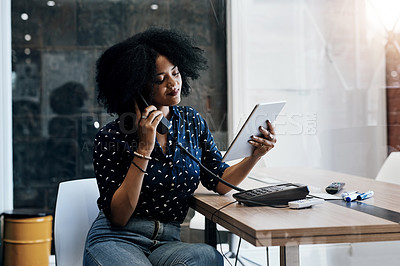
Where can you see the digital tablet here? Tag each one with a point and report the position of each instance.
(240, 147)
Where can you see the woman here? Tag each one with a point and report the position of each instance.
(145, 179)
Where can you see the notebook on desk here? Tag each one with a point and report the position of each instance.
(240, 147)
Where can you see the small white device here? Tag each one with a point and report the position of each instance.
(305, 203)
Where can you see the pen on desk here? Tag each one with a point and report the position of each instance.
(365, 195)
(352, 197)
(345, 194)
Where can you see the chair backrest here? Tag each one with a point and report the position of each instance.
(76, 209)
(390, 170)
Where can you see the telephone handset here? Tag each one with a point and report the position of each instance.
(163, 126)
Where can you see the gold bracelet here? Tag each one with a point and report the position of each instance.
(142, 156)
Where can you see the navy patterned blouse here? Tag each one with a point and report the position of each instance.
(171, 178)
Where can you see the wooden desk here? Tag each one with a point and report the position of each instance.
(321, 224)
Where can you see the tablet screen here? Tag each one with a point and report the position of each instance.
(240, 147)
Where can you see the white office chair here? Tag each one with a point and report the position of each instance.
(76, 209)
(390, 169)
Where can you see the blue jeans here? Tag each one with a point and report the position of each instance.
(143, 242)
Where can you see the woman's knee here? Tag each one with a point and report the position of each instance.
(186, 254)
(204, 254)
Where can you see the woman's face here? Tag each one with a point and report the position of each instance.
(167, 85)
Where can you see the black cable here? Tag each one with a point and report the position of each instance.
(260, 204)
(230, 203)
(207, 170)
(219, 236)
(220, 247)
(237, 251)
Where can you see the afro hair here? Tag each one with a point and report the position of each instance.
(129, 67)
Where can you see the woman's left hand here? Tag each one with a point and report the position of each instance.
(264, 143)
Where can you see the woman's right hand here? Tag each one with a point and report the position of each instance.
(147, 122)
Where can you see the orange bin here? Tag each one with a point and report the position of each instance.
(27, 240)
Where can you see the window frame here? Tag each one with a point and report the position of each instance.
(6, 165)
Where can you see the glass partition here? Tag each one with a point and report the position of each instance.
(336, 64)
(327, 60)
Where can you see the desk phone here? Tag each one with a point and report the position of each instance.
(272, 195)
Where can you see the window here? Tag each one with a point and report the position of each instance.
(327, 60)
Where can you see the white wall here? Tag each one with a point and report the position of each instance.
(6, 186)
(327, 60)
